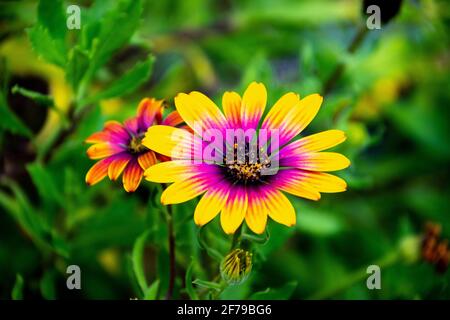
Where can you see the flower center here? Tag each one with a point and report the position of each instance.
(247, 168)
(136, 146)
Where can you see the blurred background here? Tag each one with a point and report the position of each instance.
(388, 89)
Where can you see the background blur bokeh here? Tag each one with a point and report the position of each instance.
(388, 89)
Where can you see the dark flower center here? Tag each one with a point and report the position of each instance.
(136, 146)
(247, 166)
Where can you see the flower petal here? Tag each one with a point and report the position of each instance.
(116, 130)
(170, 171)
(148, 110)
(103, 150)
(147, 159)
(185, 190)
(324, 182)
(317, 161)
(210, 205)
(279, 207)
(169, 141)
(98, 171)
(231, 104)
(233, 212)
(132, 125)
(253, 105)
(173, 119)
(98, 137)
(199, 112)
(256, 216)
(290, 115)
(118, 164)
(314, 143)
(293, 182)
(132, 176)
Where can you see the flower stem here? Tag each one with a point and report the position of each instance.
(171, 239)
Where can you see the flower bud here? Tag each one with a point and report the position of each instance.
(236, 266)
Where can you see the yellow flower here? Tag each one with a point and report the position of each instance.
(244, 175)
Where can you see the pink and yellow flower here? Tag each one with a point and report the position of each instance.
(119, 147)
(237, 189)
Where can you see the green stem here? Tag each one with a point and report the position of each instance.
(355, 277)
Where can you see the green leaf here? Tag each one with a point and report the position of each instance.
(152, 291)
(116, 29)
(39, 98)
(47, 285)
(77, 64)
(46, 47)
(51, 15)
(17, 291)
(188, 280)
(9, 121)
(283, 293)
(207, 284)
(138, 260)
(127, 83)
(45, 184)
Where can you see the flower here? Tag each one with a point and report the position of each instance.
(120, 146)
(249, 183)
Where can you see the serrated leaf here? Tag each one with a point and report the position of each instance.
(51, 15)
(127, 83)
(152, 291)
(138, 261)
(50, 50)
(283, 293)
(17, 291)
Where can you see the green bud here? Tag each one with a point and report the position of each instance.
(409, 249)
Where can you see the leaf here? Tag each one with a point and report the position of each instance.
(152, 291)
(10, 122)
(39, 98)
(127, 83)
(188, 280)
(45, 184)
(50, 50)
(283, 293)
(207, 284)
(51, 15)
(77, 64)
(116, 29)
(47, 285)
(138, 261)
(17, 291)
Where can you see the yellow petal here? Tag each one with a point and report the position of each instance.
(325, 182)
(199, 112)
(169, 141)
(323, 161)
(253, 105)
(182, 191)
(280, 208)
(231, 104)
(319, 141)
(256, 216)
(169, 171)
(210, 205)
(233, 212)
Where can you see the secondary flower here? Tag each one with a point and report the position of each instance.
(250, 182)
(120, 146)
(236, 266)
